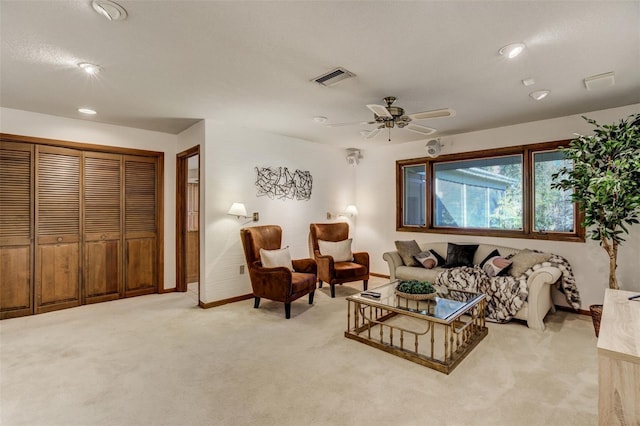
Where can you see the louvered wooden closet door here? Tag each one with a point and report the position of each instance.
(16, 229)
(58, 211)
(141, 223)
(102, 195)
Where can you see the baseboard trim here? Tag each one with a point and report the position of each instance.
(373, 274)
(224, 301)
(575, 311)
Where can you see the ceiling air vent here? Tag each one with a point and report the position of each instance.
(332, 77)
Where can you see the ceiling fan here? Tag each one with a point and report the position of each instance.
(389, 116)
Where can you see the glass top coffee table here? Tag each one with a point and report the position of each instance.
(438, 332)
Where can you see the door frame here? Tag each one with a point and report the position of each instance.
(182, 176)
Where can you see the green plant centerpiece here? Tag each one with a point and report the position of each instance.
(605, 179)
(415, 287)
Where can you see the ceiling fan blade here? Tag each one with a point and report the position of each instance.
(372, 134)
(424, 130)
(436, 113)
(353, 123)
(380, 111)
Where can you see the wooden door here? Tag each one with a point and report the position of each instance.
(16, 229)
(141, 225)
(102, 197)
(57, 225)
(193, 239)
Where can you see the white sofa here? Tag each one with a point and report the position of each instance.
(538, 303)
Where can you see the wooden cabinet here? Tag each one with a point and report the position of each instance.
(619, 360)
(102, 194)
(57, 188)
(76, 226)
(140, 225)
(16, 229)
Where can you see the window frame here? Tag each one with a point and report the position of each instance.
(528, 199)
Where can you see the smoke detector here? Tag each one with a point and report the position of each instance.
(433, 148)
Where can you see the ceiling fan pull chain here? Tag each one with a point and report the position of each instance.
(389, 134)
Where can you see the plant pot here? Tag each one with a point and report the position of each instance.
(596, 315)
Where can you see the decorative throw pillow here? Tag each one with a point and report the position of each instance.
(441, 260)
(495, 265)
(525, 259)
(460, 255)
(275, 258)
(427, 259)
(406, 250)
(339, 250)
(489, 256)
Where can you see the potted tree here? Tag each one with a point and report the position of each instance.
(605, 179)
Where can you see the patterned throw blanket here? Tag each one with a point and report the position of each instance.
(506, 294)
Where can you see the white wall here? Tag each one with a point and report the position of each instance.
(85, 131)
(376, 203)
(228, 175)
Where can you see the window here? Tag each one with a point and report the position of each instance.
(484, 193)
(502, 192)
(415, 190)
(553, 209)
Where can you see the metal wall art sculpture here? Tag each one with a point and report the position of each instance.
(279, 182)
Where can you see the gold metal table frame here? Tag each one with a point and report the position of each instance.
(438, 333)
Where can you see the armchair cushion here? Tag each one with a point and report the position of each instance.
(339, 250)
(345, 270)
(275, 258)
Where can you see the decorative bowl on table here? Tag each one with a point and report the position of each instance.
(415, 290)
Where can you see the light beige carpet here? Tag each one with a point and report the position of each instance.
(159, 360)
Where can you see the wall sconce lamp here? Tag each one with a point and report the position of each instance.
(239, 210)
(349, 211)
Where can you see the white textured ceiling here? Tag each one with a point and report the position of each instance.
(249, 63)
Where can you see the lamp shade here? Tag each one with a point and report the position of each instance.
(237, 209)
(351, 210)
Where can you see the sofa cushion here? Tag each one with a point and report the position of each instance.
(418, 273)
(526, 259)
(339, 250)
(276, 258)
(460, 255)
(407, 250)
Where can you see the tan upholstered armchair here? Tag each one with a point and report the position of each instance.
(332, 271)
(277, 283)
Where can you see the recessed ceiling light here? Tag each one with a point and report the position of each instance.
(528, 82)
(320, 119)
(87, 111)
(89, 68)
(512, 50)
(539, 95)
(110, 10)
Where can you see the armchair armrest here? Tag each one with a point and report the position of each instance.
(326, 266)
(394, 261)
(361, 258)
(271, 283)
(308, 266)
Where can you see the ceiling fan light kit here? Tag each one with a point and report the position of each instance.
(390, 116)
